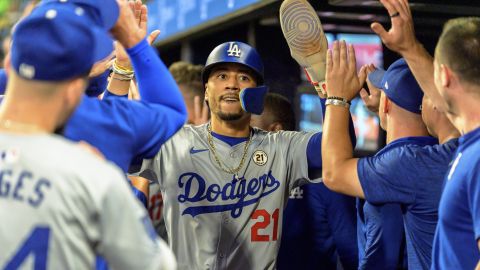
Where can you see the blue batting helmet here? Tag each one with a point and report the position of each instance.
(234, 52)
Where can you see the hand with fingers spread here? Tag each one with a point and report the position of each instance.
(342, 78)
(131, 26)
(371, 98)
(401, 36)
(141, 18)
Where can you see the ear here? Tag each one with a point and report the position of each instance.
(387, 104)
(206, 92)
(445, 75)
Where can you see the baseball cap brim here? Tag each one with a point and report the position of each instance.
(376, 77)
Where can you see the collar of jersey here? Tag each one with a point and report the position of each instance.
(470, 138)
(232, 141)
(420, 140)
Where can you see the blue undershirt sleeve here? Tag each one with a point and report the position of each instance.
(109, 94)
(155, 83)
(97, 85)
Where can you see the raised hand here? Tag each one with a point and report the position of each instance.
(127, 29)
(372, 99)
(401, 36)
(342, 78)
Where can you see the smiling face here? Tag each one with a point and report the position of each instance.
(223, 88)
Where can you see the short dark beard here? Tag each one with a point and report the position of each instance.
(230, 116)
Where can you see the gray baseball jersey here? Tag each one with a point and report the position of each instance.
(215, 221)
(60, 206)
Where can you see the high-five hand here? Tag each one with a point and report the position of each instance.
(342, 78)
(401, 36)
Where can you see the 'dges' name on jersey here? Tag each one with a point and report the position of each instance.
(23, 186)
(233, 196)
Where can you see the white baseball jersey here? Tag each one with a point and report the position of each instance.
(60, 206)
(215, 221)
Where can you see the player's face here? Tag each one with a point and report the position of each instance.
(223, 88)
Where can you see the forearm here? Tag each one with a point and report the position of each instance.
(155, 83)
(421, 65)
(336, 145)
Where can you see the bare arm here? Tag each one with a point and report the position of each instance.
(339, 166)
(401, 38)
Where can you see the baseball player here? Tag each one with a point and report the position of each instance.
(59, 203)
(410, 169)
(225, 184)
(319, 225)
(451, 82)
(379, 229)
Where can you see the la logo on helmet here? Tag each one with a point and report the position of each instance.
(233, 50)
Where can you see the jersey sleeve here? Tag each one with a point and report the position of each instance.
(127, 239)
(296, 156)
(383, 177)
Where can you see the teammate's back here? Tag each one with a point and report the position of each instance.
(64, 209)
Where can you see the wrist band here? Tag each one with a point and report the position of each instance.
(122, 70)
(336, 102)
(339, 98)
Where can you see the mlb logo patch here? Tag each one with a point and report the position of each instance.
(9, 155)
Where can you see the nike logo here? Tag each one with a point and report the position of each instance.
(193, 151)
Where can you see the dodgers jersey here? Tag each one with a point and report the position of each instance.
(384, 179)
(215, 221)
(60, 206)
(458, 230)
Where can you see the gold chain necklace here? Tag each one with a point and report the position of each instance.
(214, 152)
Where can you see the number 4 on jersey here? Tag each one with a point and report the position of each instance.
(37, 244)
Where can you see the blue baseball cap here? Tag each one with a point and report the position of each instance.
(58, 42)
(400, 86)
(103, 12)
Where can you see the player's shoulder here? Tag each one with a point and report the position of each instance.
(73, 159)
(279, 136)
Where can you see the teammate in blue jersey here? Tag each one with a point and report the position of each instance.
(410, 169)
(113, 126)
(319, 225)
(455, 91)
(58, 202)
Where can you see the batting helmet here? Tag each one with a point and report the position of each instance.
(234, 52)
